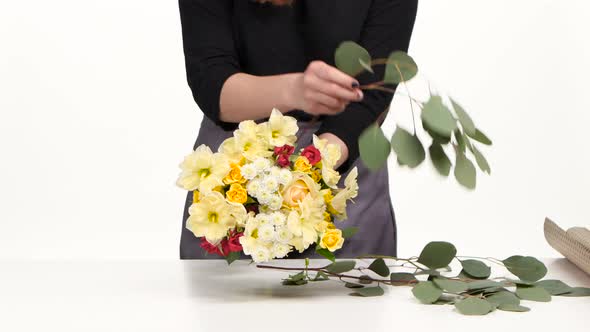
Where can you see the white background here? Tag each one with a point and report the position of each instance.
(96, 115)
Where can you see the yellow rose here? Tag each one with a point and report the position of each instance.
(295, 193)
(237, 194)
(302, 164)
(332, 240)
(316, 175)
(234, 175)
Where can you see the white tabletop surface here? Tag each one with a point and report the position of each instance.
(210, 296)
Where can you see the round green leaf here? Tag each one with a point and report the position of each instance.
(439, 158)
(533, 293)
(374, 147)
(526, 268)
(480, 137)
(437, 117)
(378, 266)
(402, 277)
(481, 160)
(464, 118)
(554, 287)
(400, 68)
(453, 286)
(473, 306)
(353, 285)
(513, 308)
(503, 297)
(464, 171)
(365, 279)
(351, 58)
(408, 148)
(436, 255)
(483, 284)
(578, 292)
(369, 291)
(426, 292)
(475, 268)
(460, 140)
(341, 267)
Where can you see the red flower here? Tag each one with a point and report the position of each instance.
(312, 154)
(232, 243)
(212, 249)
(284, 150)
(283, 160)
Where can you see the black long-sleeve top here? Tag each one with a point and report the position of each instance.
(224, 37)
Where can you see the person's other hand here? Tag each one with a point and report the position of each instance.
(324, 90)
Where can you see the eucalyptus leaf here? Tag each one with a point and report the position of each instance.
(578, 292)
(400, 67)
(473, 306)
(408, 148)
(436, 138)
(464, 118)
(513, 308)
(465, 171)
(482, 284)
(351, 58)
(402, 277)
(503, 297)
(320, 276)
(365, 279)
(481, 160)
(533, 293)
(452, 286)
(366, 66)
(378, 266)
(438, 117)
(436, 255)
(426, 292)
(460, 141)
(374, 147)
(475, 268)
(340, 267)
(554, 287)
(370, 291)
(439, 158)
(353, 285)
(348, 232)
(525, 267)
(480, 137)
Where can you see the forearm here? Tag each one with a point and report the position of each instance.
(249, 97)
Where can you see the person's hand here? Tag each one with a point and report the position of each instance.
(324, 90)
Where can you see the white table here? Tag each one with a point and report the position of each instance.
(210, 296)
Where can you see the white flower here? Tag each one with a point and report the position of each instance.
(261, 254)
(276, 202)
(211, 217)
(284, 176)
(263, 219)
(266, 232)
(203, 170)
(283, 234)
(249, 171)
(230, 149)
(330, 176)
(261, 164)
(278, 218)
(253, 187)
(330, 152)
(264, 197)
(280, 250)
(270, 184)
(280, 129)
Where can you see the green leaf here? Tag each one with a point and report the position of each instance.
(408, 148)
(475, 268)
(520, 282)
(453, 286)
(503, 297)
(460, 141)
(578, 292)
(326, 253)
(526, 268)
(480, 137)
(437, 117)
(374, 147)
(439, 158)
(513, 308)
(353, 285)
(554, 287)
(464, 118)
(366, 66)
(481, 160)
(369, 291)
(320, 276)
(426, 292)
(483, 284)
(351, 58)
(232, 257)
(533, 293)
(295, 280)
(378, 266)
(365, 279)
(348, 232)
(341, 267)
(436, 255)
(465, 171)
(400, 68)
(402, 277)
(436, 138)
(473, 306)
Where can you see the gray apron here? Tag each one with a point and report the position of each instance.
(371, 211)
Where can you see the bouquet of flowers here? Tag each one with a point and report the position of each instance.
(256, 194)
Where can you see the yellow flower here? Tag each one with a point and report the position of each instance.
(332, 240)
(230, 149)
(212, 217)
(300, 186)
(327, 217)
(234, 175)
(202, 170)
(237, 194)
(316, 175)
(337, 205)
(250, 142)
(280, 129)
(196, 196)
(302, 164)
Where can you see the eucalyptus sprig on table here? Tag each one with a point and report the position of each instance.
(448, 127)
(471, 291)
